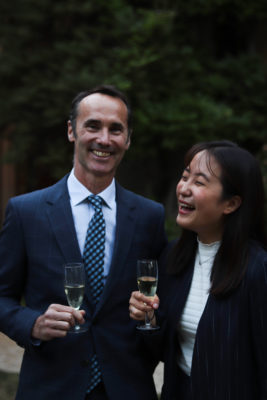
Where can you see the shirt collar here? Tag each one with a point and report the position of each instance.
(79, 193)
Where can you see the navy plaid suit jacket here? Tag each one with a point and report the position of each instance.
(37, 238)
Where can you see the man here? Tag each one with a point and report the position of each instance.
(48, 228)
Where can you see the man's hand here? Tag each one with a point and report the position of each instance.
(139, 304)
(56, 322)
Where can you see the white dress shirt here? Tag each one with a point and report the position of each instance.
(196, 302)
(83, 211)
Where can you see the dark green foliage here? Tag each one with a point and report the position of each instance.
(193, 71)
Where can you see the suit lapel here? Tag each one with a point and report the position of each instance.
(61, 221)
(126, 218)
(178, 290)
(125, 226)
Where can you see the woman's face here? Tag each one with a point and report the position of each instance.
(199, 194)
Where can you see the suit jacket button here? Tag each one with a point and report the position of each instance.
(85, 363)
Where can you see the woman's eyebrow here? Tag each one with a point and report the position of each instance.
(203, 176)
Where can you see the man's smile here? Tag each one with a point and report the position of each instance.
(100, 153)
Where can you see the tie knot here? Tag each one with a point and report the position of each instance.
(96, 201)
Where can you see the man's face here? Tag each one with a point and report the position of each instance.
(101, 137)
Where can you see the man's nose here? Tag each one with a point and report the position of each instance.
(103, 136)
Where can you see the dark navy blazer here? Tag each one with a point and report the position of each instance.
(37, 238)
(230, 352)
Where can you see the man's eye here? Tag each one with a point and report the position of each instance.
(116, 127)
(116, 130)
(199, 183)
(92, 127)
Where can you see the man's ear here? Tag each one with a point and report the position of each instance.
(71, 135)
(232, 204)
(128, 143)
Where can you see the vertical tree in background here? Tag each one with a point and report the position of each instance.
(193, 71)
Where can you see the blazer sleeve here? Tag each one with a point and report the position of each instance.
(16, 320)
(258, 314)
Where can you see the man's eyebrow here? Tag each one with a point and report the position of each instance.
(91, 121)
(117, 125)
(97, 122)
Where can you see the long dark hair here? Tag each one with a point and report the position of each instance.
(241, 176)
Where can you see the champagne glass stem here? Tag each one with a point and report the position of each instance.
(147, 321)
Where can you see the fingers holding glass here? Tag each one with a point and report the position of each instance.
(74, 284)
(147, 280)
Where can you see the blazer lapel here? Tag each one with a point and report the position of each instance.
(126, 218)
(125, 223)
(178, 289)
(61, 221)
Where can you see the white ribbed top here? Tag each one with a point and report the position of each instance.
(196, 301)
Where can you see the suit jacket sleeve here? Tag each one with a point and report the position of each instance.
(16, 320)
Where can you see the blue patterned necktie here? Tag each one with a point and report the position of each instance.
(93, 256)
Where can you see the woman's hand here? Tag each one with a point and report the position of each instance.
(139, 304)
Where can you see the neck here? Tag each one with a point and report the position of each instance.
(95, 184)
(210, 239)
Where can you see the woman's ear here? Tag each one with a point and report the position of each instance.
(232, 204)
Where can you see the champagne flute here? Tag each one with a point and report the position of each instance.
(74, 283)
(147, 280)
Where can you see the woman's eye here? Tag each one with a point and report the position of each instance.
(199, 183)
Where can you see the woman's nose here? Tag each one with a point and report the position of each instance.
(183, 188)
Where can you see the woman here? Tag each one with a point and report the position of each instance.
(213, 310)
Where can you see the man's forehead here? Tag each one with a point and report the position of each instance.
(100, 100)
(103, 104)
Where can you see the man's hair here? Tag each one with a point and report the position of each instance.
(102, 89)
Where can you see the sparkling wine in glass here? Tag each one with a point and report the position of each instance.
(147, 280)
(74, 283)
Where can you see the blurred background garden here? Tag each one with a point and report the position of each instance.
(193, 70)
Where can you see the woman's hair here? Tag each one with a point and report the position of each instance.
(240, 176)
